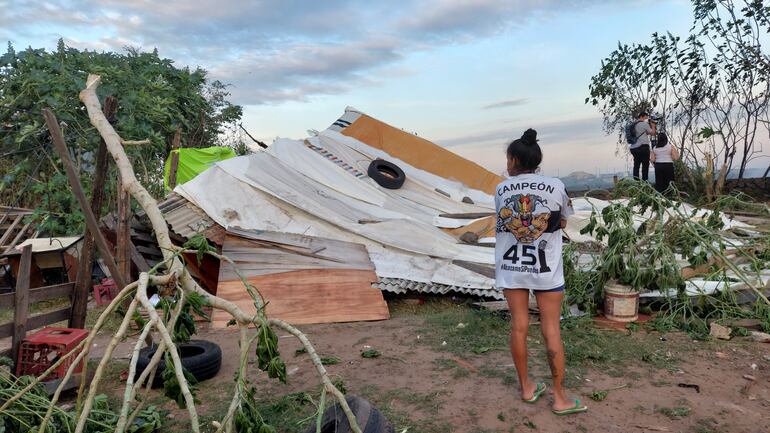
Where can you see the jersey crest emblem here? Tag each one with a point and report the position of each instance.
(517, 216)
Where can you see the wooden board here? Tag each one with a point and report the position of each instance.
(309, 296)
(482, 228)
(264, 253)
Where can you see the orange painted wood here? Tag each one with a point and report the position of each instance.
(309, 296)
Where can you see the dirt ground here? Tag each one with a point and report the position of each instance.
(445, 368)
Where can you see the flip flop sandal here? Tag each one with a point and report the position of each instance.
(541, 387)
(577, 409)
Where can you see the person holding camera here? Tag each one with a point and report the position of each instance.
(639, 144)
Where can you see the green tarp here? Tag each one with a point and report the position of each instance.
(194, 161)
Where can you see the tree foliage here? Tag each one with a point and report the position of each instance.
(712, 88)
(155, 98)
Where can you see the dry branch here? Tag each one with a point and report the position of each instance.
(178, 273)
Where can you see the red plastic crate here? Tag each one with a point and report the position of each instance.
(105, 292)
(42, 349)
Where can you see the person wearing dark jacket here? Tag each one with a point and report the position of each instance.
(640, 150)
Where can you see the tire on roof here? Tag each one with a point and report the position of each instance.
(386, 174)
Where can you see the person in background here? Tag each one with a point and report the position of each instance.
(663, 156)
(531, 213)
(640, 150)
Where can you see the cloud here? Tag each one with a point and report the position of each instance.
(566, 144)
(507, 103)
(301, 70)
(549, 133)
(274, 50)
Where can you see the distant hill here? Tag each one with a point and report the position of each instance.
(582, 181)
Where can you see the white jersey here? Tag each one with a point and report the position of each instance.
(528, 248)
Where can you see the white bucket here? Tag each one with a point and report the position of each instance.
(621, 303)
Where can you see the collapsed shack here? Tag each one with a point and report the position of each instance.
(365, 205)
(302, 217)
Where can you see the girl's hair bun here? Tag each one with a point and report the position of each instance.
(529, 137)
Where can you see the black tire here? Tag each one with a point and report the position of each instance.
(201, 358)
(368, 417)
(386, 174)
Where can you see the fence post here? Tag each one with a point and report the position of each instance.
(21, 301)
(86, 262)
(123, 230)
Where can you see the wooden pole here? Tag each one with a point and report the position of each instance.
(123, 230)
(86, 262)
(174, 158)
(21, 302)
(77, 190)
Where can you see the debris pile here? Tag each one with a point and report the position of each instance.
(422, 220)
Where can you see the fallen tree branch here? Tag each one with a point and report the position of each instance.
(178, 272)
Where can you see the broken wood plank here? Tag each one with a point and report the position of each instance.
(21, 301)
(9, 232)
(137, 259)
(150, 251)
(77, 189)
(275, 252)
(19, 236)
(485, 270)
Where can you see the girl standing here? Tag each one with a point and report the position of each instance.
(531, 211)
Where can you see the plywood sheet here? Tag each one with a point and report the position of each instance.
(421, 153)
(309, 296)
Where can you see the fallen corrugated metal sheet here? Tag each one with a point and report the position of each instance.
(187, 220)
(400, 286)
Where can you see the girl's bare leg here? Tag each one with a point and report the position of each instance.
(518, 304)
(549, 304)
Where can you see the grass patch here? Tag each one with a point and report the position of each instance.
(111, 323)
(707, 425)
(585, 346)
(674, 413)
(6, 314)
(446, 364)
(465, 330)
(507, 375)
(330, 360)
(406, 419)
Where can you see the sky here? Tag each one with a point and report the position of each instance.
(468, 75)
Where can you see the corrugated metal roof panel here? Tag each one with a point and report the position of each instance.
(401, 286)
(185, 218)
